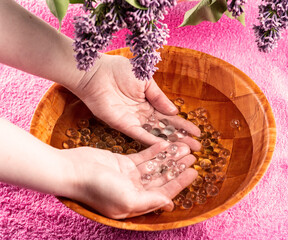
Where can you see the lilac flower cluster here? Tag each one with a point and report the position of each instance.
(273, 16)
(147, 33)
(236, 7)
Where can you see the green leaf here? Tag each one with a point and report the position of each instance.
(206, 10)
(58, 8)
(76, 1)
(136, 4)
(241, 18)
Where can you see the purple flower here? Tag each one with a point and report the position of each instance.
(236, 7)
(273, 19)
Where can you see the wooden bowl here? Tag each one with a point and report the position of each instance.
(201, 80)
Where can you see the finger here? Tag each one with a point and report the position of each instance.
(179, 122)
(173, 187)
(149, 201)
(163, 179)
(158, 99)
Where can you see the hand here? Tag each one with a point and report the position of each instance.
(111, 183)
(125, 103)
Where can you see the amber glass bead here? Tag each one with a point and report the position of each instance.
(197, 182)
(210, 177)
(179, 101)
(191, 115)
(206, 142)
(101, 145)
(85, 131)
(117, 149)
(83, 123)
(225, 153)
(201, 199)
(191, 195)
(220, 161)
(135, 145)
(98, 131)
(110, 143)
(119, 140)
(183, 115)
(131, 150)
(179, 199)
(95, 139)
(72, 133)
(68, 144)
(205, 163)
(187, 204)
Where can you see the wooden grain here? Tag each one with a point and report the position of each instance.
(201, 80)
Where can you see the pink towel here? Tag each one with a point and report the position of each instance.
(263, 214)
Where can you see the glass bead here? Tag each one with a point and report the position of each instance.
(85, 131)
(235, 123)
(117, 149)
(172, 137)
(182, 133)
(181, 167)
(114, 133)
(163, 136)
(171, 163)
(98, 131)
(187, 204)
(208, 150)
(210, 177)
(217, 169)
(146, 178)
(225, 153)
(201, 199)
(135, 145)
(206, 142)
(163, 168)
(125, 147)
(201, 190)
(168, 130)
(72, 133)
(220, 176)
(191, 115)
(192, 196)
(202, 120)
(160, 156)
(131, 150)
(172, 149)
(208, 128)
(110, 143)
(119, 140)
(150, 166)
(84, 140)
(183, 115)
(179, 101)
(95, 139)
(179, 199)
(163, 123)
(101, 145)
(156, 175)
(155, 131)
(216, 134)
(205, 163)
(220, 161)
(207, 184)
(171, 174)
(159, 211)
(106, 137)
(197, 182)
(201, 111)
(83, 123)
(212, 190)
(152, 118)
(147, 127)
(68, 144)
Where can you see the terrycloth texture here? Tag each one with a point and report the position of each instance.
(263, 214)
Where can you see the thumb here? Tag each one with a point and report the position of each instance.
(158, 99)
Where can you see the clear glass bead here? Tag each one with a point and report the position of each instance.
(160, 156)
(187, 204)
(172, 149)
(205, 163)
(168, 130)
(178, 200)
(146, 178)
(179, 101)
(155, 131)
(212, 190)
(201, 199)
(172, 137)
(182, 133)
(210, 177)
(235, 123)
(147, 127)
(197, 182)
(192, 196)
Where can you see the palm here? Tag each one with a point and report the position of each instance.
(126, 103)
(125, 195)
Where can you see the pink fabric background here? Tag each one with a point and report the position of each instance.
(263, 214)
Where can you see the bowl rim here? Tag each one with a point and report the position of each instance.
(270, 146)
